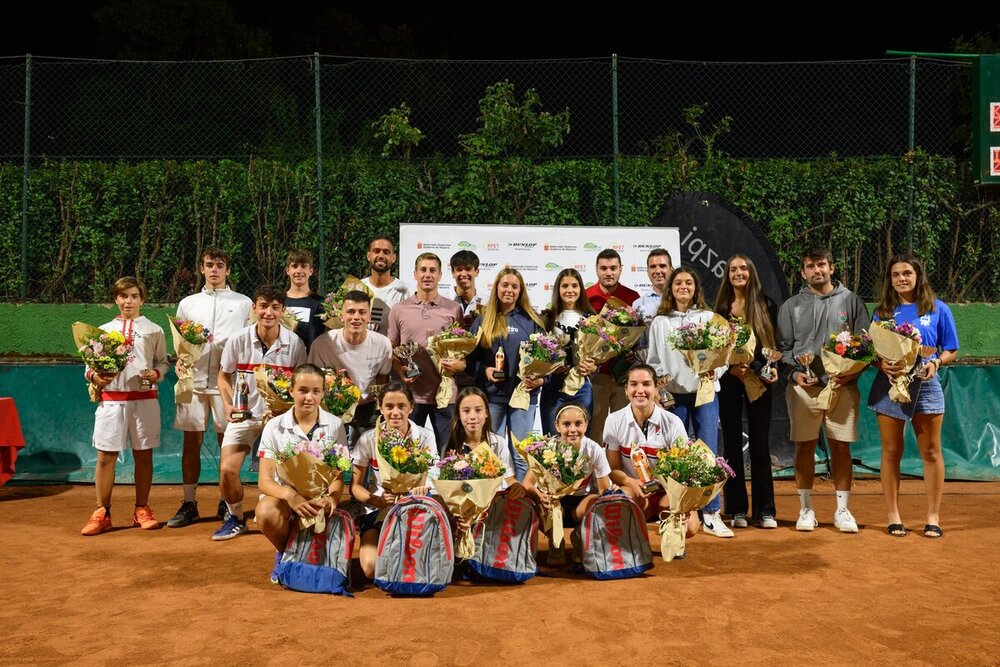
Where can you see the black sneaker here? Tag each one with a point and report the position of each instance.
(186, 515)
(223, 510)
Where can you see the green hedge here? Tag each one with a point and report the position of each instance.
(91, 222)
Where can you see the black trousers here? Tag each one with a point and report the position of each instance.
(732, 398)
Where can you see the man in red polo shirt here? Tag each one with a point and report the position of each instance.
(608, 395)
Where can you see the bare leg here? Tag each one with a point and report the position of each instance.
(229, 472)
(104, 477)
(840, 462)
(143, 475)
(805, 464)
(892, 453)
(191, 457)
(273, 520)
(368, 552)
(928, 430)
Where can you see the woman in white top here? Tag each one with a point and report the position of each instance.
(569, 305)
(471, 427)
(684, 303)
(395, 404)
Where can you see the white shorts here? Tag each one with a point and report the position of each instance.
(193, 416)
(118, 424)
(242, 434)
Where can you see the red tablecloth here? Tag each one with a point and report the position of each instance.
(11, 438)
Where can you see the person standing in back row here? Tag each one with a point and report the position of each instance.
(387, 290)
(609, 396)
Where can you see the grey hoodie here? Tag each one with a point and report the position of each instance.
(807, 319)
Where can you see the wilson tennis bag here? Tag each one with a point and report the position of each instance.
(416, 551)
(615, 540)
(318, 562)
(506, 541)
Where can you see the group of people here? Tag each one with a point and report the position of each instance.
(611, 413)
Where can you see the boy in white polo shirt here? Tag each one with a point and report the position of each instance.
(264, 343)
(223, 312)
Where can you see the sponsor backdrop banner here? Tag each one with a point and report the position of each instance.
(538, 252)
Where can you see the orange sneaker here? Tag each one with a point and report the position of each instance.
(143, 517)
(99, 522)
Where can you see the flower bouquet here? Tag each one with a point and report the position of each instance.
(899, 344)
(334, 301)
(452, 342)
(403, 464)
(310, 467)
(467, 484)
(744, 345)
(630, 324)
(189, 338)
(597, 340)
(692, 476)
(559, 469)
(275, 386)
(542, 354)
(844, 354)
(103, 352)
(705, 347)
(341, 395)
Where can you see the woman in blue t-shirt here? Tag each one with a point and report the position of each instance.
(907, 297)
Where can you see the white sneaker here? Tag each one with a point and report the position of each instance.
(807, 520)
(714, 524)
(767, 521)
(844, 521)
(739, 521)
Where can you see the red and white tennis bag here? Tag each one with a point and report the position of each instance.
(416, 551)
(318, 562)
(615, 539)
(507, 540)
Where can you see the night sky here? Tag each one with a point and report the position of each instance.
(434, 29)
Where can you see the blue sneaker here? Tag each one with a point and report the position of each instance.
(230, 528)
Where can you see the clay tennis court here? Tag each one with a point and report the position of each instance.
(173, 596)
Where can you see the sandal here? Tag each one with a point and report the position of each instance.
(931, 530)
(896, 530)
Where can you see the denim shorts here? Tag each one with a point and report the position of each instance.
(927, 398)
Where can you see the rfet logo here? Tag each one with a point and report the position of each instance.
(618, 246)
(492, 245)
(580, 267)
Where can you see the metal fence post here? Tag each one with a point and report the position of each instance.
(319, 173)
(910, 147)
(24, 177)
(614, 133)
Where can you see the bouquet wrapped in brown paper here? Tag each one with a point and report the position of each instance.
(189, 338)
(900, 346)
(844, 354)
(310, 467)
(629, 325)
(597, 340)
(692, 476)
(334, 301)
(467, 484)
(705, 347)
(275, 386)
(403, 464)
(452, 342)
(542, 354)
(744, 344)
(559, 470)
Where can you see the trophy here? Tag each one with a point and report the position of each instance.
(144, 384)
(643, 470)
(805, 359)
(666, 398)
(405, 354)
(918, 371)
(498, 366)
(241, 400)
(768, 372)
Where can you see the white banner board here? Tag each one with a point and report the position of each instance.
(538, 252)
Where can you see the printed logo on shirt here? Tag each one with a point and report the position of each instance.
(512, 329)
(842, 316)
(925, 320)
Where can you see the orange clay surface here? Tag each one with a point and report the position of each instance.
(172, 596)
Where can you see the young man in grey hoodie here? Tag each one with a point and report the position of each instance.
(822, 307)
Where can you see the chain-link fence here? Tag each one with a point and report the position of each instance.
(134, 166)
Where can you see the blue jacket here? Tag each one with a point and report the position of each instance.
(519, 327)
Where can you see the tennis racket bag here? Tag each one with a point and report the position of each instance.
(416, 551)
(318, 562)
(507, 541)
(615, 540)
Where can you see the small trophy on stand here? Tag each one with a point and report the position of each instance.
(805, 359)
(918, 371)
(144, 384)
(405, 354)
(499, 375)
(767, 371)
(644, 471)
(241, 399)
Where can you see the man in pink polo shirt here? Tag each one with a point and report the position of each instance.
(412, 321)
(608, 395)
